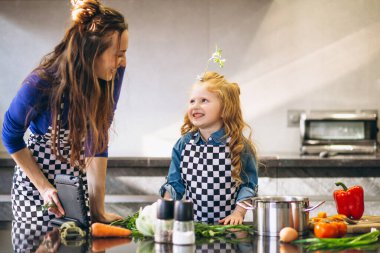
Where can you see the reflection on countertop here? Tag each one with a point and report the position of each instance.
(44, 238)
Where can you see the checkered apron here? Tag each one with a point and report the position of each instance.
(206, 173)
(26, 200)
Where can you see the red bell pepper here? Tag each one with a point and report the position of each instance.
(349, 202)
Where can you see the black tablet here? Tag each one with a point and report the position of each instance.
(72, 198)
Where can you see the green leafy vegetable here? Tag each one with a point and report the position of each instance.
(146, 220)
(142, 224)
(47, 205)
(130, 223)
(210, 231)
(216, 57)
(360, 241)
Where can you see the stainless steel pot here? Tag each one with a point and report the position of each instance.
(272, 213)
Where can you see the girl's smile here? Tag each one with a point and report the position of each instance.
(198, 115)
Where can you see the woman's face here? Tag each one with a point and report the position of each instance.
(113, 57)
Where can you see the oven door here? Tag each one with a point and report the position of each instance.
(344, 133)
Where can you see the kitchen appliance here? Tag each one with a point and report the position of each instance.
(338, 133)
(272, 213)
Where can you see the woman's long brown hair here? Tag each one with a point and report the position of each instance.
(70, 69)
(233, 123)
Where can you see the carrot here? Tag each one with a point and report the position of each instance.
(104, 244)
(104, 230)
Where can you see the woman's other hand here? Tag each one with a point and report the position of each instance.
(107, 218)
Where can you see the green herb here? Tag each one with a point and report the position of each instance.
(202, 230)
(47, 205)
(216, 57)
(130, 223)
(360, 241)
(206, 230)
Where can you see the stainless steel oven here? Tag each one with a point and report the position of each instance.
(338, 133)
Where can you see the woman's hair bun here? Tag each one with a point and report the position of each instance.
(84, 10)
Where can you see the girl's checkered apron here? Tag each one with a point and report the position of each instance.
(26, 200)
(206, 172)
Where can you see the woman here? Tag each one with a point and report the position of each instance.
(68, 103)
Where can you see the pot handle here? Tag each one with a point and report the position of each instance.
(245, 205)
(313, 207)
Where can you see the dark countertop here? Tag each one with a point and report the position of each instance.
(34, 240)
(273, 166)
(285, 160)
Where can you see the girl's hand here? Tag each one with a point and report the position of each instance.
(50, 197)
(235, 218)
(167, 195)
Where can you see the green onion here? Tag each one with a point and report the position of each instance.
(202, 230)
(360, 241)
(47, 205)
(206, 230)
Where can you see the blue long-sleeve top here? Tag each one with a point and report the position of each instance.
(30, 108)
(175, 185)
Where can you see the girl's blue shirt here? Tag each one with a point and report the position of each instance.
(174, 184)
(30, 108)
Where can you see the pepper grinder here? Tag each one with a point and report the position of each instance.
(183, 229)
(164, 224)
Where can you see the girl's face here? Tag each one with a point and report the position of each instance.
(205, 109)
(113, 57)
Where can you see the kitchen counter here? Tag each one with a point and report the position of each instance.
(267, 162)
(133, 182)
(270, 160)
(32, 239)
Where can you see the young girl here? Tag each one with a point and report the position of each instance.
(213, 163)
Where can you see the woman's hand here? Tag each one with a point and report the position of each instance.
(26, 161)
(50, 197)
(96, 177)
(107, 218)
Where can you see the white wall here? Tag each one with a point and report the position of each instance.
(285, 54)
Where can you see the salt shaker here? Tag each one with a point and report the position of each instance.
(183, 229)
(164, 225)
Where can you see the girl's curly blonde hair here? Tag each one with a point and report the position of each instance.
(233, 123)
